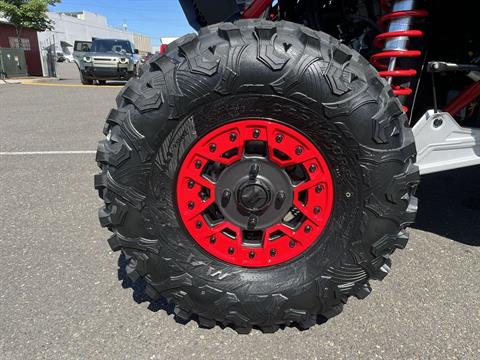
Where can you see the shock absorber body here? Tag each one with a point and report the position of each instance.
(395, 43)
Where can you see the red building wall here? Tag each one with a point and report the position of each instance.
(32, 56)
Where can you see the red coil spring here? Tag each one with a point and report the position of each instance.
(379, 60)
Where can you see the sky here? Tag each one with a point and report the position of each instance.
(155, 18)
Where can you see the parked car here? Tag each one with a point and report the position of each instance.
(62, 57)
(106, 59)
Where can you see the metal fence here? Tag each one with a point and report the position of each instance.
(49, 56)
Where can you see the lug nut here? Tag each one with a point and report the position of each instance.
(231, 250)
(279, 200)
(291, 243)
(273, 252)
(213, 147)
(307, 229)
(233, 137)
(213, 240)
(198, 224)
(256, 133)
(227, 194)
(191, 205)
(251, 255)
(191, 184)
(298, 150)
(279, 138)
(254, 168)
(318, 189)
(316, 210)
(198, 164)
(252, 222)
(312, 168)
(203, 195)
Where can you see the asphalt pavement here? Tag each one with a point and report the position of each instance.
(61, 290)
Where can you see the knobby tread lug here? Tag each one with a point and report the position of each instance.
(206, 323)
(131, 270)
(132, 196)
(112, 153)
(182, 314)
(333, 311)
(115, 117)
(233, 35)
(203, 63)
(114, 214)
(145, 97)
(335, 75)
(361, 291)
(118, 241)
(388, 243)
(138, 141)
(152, 293)
(308, 322)
(383, 120)
(122, 118)
(294, 315)
(266, 53)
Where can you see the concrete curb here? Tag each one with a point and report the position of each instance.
(35, 80)
(27, 80)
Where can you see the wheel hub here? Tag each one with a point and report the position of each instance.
(255, 182)
(254, 197)
(254, 193)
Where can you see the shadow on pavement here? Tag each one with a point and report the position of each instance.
(138, 288)
(449, 205)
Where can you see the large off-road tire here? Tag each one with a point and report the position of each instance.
(257, 80)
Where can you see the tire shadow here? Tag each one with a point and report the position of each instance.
(449, 205)
(138, 288)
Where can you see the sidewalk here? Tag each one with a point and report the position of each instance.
(28, 80)
(65, 71)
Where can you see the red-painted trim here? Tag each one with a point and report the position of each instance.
(463, 99)
(318, 188)
(256, 9)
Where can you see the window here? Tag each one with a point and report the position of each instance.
(13, 41)
(106, 45)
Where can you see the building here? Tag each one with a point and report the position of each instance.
(143, 43)
(84, 25)
(8, 39)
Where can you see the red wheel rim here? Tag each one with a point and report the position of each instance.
(254, 193)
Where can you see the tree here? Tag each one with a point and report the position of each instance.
(27, 14)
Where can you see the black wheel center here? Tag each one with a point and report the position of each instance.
(254, 193)
(253, 197)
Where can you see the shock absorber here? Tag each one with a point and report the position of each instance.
(395, 44)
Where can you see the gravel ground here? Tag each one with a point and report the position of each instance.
(62, 297)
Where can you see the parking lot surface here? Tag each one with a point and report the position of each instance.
(61, 297)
